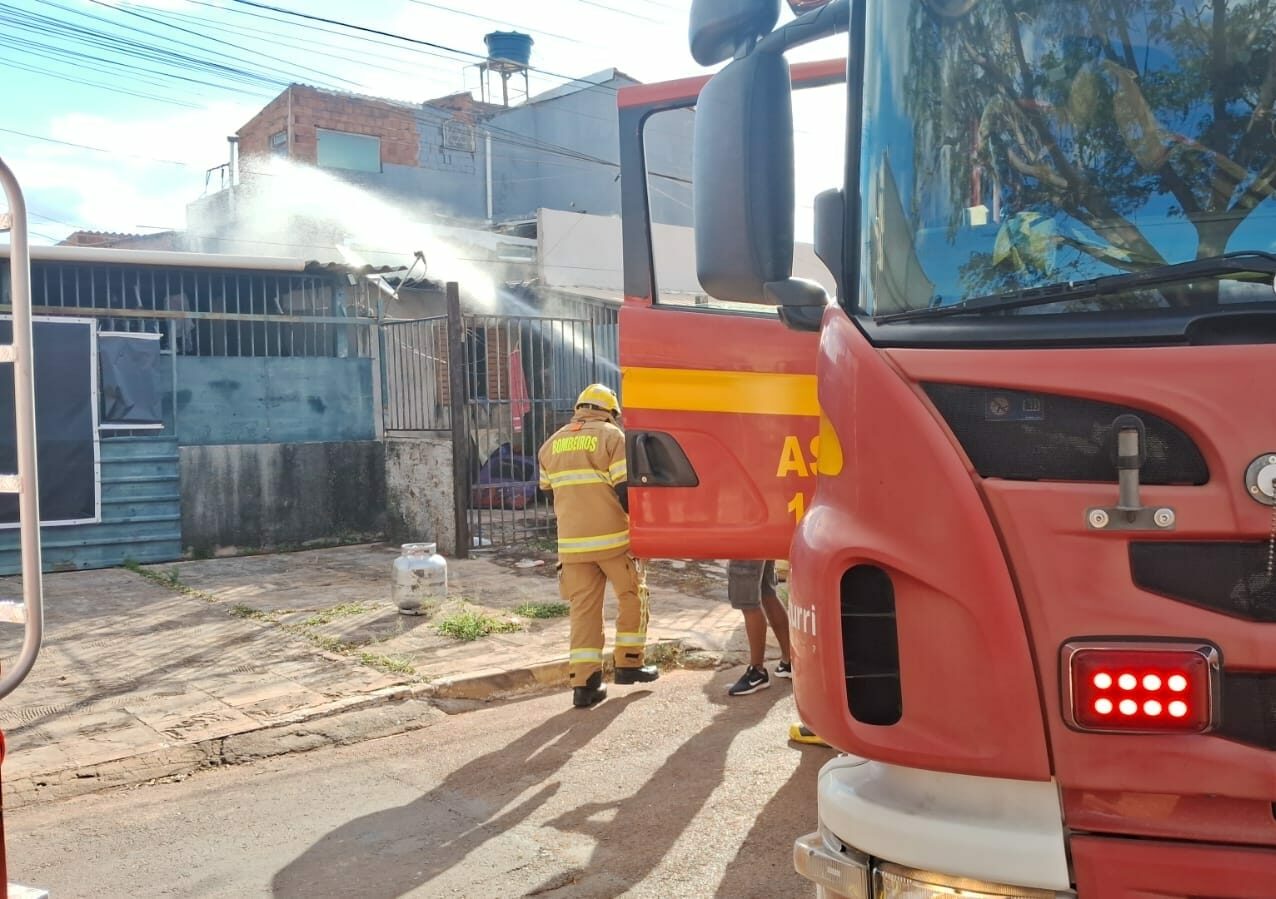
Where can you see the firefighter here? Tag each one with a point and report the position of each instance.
(583, 464)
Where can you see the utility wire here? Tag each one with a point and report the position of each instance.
(538, 31)
(276, 39)
(622, 12)
(110, 88)
(212, 40)
(410, 40)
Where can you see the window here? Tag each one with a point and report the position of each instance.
(1014, 146)
(819, 115)
(342, 150)
(279, 143)
(458, 136)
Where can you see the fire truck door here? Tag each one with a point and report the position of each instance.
(719, 399)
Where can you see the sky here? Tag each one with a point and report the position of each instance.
(114, 111)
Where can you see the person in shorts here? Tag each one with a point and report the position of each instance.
(751, 588)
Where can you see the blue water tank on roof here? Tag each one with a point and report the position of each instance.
(509, 46)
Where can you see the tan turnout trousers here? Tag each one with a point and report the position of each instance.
(583, 585)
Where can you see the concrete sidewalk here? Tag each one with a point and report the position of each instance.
(159, 671)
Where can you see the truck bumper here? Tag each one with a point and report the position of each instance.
(887, 830)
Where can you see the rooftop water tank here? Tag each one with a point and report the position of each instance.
(509, 46)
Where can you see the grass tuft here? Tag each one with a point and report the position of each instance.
(543, 610)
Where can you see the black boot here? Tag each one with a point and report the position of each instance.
(592, 693)
(643, 675)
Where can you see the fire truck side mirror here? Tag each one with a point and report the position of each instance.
(721, 29)
(742, 172)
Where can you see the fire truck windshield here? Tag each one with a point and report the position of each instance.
(1029, 156)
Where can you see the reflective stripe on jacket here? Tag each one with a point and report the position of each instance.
(582, 463)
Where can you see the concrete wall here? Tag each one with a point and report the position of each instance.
(260, 496)
(584, 252)
(419, 492)
(255, 399)
(529, 173)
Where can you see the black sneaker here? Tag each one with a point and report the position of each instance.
(643, 675)
(753, 680)
(594, 692)
(784, 670)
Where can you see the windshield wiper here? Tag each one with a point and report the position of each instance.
(1248, 262)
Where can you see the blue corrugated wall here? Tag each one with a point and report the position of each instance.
(141, 512)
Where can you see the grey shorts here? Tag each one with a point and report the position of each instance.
(748, 582)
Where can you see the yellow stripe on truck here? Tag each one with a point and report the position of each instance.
(697, 390)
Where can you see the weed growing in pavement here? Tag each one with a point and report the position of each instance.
(543, 610)
(473, 625)
(239, 610)
(172, 579)
(323, 641)
(388, 664)
(327, 616)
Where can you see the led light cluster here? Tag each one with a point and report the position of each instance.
(1140, 690)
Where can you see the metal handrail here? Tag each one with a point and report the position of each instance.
(24, 419)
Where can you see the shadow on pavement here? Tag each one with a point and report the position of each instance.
(645, 826)
(389, 852)
(791, 812)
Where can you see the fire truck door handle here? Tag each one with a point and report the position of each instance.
(657, 460)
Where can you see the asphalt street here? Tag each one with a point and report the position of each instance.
(671, 789)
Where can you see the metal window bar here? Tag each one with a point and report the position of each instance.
(224, 313)
(416, 367)
(512, 412)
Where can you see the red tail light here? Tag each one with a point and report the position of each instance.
(1151, 688)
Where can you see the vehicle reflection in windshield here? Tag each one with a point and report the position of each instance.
(1013, 144)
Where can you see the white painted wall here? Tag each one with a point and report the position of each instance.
(580, 251)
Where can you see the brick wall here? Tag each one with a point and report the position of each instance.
(254, 137)
(393, 123)
(499, 344)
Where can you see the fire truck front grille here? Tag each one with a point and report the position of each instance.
(870, 646)
(1225, 577)
(1046, 437)
(1249, 709)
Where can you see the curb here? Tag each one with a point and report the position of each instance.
(382, 713)
(379, 714)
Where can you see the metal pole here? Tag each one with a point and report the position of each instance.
(460, 426)
(24, 419)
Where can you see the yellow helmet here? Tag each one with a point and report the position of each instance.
(599, 395)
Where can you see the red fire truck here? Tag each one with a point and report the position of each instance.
(1025, 439)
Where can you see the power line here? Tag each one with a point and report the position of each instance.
(67, 143)
(311, 27)
(623, 12)
(110, 88)
(410, 40)
(39, 26)
(471, 15)
(276, 39)
(578, 159)
(212, 40)
(585, 82)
